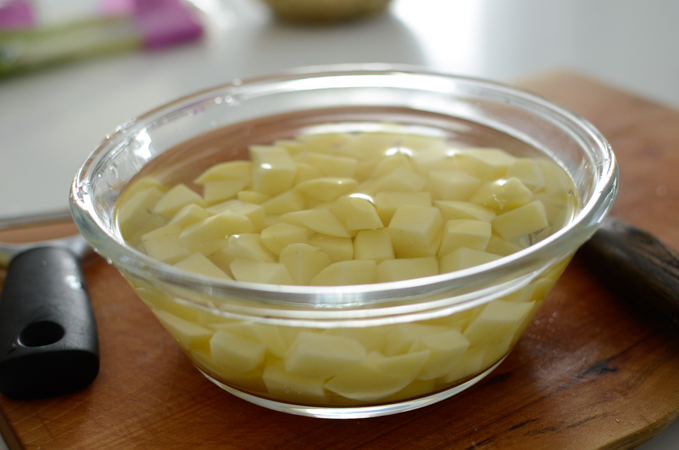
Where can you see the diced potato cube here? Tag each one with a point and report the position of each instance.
(415, 231)
(285, 202)
(404, 269)
(292, 388)
(324, 142)
(209, 235)
(485, 163)
(175, 199)
(373, 244)
(496, 323)
(135, 212)
(364, 383)
(400, 180)
(557, 183)
(155, 299)
(252, 197)
(303, 262)
(188, 335)
(278, 236)
(273, 170)
(356, 213)
(470, 363)
(391, 163)
(407, 365)
(269, 335)
(164, 245)
(217, 191)
(236, 353)
(473, 234)
(251, 381)
(502, 194)
(437, 157)
(243, 246)
(402, 337)
(319, 220)
(445, 349)
(260, 272)
(230, 170)
(326, 188)
(345, 273)
(332, 165)
(306, 172)
(453, 184)
(464, 258)
(388, 202)
(319, 355)
(454, 209)
(187, 215)
(200, 264)
(250, 210)
(499, 246)
(521, 221)
(528, 171)
(337, 248)
(372, 338)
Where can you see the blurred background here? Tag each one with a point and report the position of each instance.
(71, 71)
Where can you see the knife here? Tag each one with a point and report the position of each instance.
(48, 336)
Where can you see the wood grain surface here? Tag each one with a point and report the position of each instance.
(591, 372)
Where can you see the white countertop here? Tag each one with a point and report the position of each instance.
(50, 121)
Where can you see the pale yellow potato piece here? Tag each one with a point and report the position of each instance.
(318, 220)
(306, 172)
(496, 323)
(406, 366)
(373, 244)
(402, 337)
(498, 246)
(324, 142)
(319, 355)
(250, 381)
(455, 209)
(400, 180)
(332, 165)
(241, 170)
(470, 363)
(415, 231)
(187, 215)
(243, 246)
(252, 211)
(557, 182)
(458, 233)
(292, 146)
(175, 199)
(387, 203)
(437, 157)
(453, 184)
(303, 262)
(391, 163)
(364, 383)
(273, 169)
(356, 213)
(279, 235)
(445, 349)
(188, 335)
(502, 194)
(269, 335)
(345, 273)
(372, 338)
(161, 301)
(292, 388)
(200, 264)
(210, 235)
(135, 212)
(485, 163)
(528, 171)
(464, 258)
(164, 245)
(521, 221)
(326, 188)
(260, 272)
(405, 269)
(252, 197)
(285, 202)
(235, 353)
(217, 191)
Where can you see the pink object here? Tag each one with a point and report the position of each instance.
(16, 14)
(166, 22)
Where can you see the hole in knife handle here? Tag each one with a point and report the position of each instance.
(39, 334)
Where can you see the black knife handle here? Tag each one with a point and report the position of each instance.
(640, 266)
(48, 335)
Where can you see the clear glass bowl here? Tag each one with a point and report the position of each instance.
(490, 305)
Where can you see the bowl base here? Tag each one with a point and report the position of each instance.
(354, 412)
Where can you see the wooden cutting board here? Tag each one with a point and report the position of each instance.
(591, 372)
